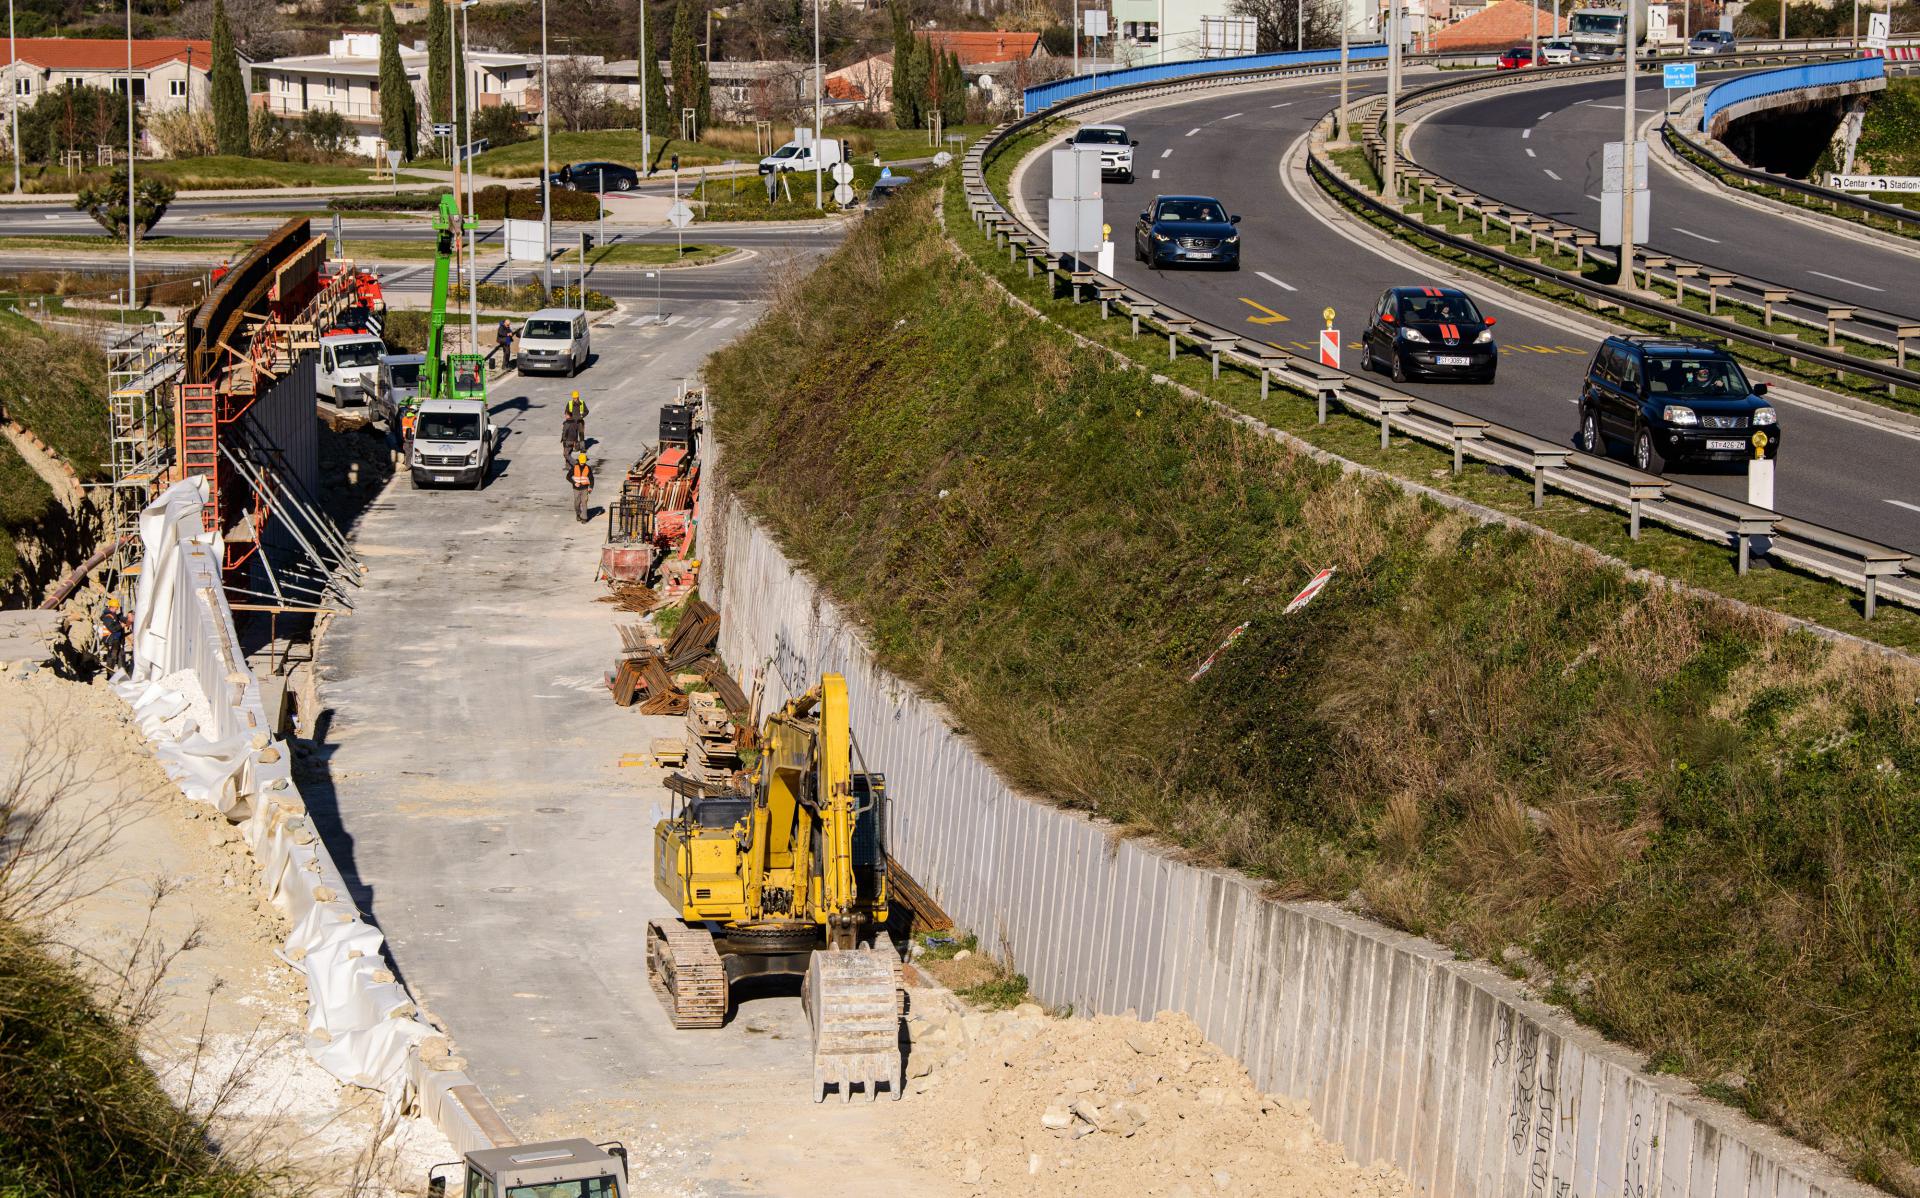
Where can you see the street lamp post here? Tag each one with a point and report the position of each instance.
(819, 91)
(453, 129)
(13, 97)
(473, 249)
(1626, 167)
(1341, 135)
(646, 129)
(1387, 187)
(132, 206)
(546, 164)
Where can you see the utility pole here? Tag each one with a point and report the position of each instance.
(546, 160)
(1783, 20)
(1534, 7)
(132, 206)
(1626, 167)
(819, 90)
(1076, 37)
(1300, 24)
(473, 248)
(453, 129)
(1342, 135)
(646, 130)
(1387, 185)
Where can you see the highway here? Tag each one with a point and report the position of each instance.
(1540, 148)
(1838, 469)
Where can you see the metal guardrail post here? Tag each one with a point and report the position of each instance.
(1900, 336)
(1834, 316)
(1325, 394)
(1388, 409)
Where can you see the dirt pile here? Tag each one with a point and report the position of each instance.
(1024, 1103)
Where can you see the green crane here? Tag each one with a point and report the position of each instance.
(444, 375)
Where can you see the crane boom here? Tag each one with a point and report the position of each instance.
(445, 220)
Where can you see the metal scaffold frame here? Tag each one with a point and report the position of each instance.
(142, 369)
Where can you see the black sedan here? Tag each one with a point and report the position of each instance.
(1187, 231)
(597, 176)
(1434, 332)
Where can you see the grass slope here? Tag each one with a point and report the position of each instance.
(24, 497)
(56, 386)
(1701, 826)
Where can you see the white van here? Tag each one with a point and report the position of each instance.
(452, 444)
(798, 155)
(554, 339)
(345, 360)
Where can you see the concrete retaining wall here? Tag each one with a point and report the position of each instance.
(1438, 1066)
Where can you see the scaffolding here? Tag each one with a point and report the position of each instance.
(143, 367)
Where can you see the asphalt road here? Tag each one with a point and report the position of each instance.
(1540, 148)
(467, 775)
(1837, 470)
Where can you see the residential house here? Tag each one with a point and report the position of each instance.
(346, 80)
(1003, 59)
(1502, 23)
(742, 90)
(168, 73)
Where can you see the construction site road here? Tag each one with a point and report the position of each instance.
(465, 771)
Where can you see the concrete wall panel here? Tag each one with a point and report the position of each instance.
(1443, 1068)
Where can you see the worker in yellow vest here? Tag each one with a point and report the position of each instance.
(582, 476)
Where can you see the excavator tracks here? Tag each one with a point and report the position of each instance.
(687, 975)
(853, 999)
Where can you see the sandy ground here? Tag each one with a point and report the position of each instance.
(170, 890)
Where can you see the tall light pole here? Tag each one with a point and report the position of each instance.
(645, 60)
(473, 250)
(1387, 187)
(819, 91)
(546, 163)
(453, 129)
(1300, 24)
(12, 89)
(132, 205)
(1626, 167)
(1341, 135)
(1534, 5)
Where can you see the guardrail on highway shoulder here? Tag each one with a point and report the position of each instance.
(1046, 95)
(1876, 570)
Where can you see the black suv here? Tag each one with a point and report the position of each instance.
(1672, 400)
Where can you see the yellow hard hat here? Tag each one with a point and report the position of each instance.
(582, 459)
(113, 602)
(576, 395)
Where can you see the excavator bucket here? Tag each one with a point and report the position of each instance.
(853, 999)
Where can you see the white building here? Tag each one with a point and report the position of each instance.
(168, 73)
(346, 80)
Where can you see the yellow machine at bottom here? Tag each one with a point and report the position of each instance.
(786, 876)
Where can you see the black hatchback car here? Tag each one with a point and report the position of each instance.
(597, 176)
(1430, 332)
(1187, 231)
(1670, 400)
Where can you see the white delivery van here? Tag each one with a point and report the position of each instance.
(345, 360)
(452, 443)
(798, 155)
(556, 340)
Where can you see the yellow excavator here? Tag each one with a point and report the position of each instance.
(786, 876)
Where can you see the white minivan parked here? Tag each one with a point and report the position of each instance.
(555, 340)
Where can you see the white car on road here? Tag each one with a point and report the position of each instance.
(1116, 149)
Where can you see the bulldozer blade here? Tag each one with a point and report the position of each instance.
(854, 1003)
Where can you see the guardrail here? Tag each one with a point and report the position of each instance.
(1047, 94)
(1877, 571)
(1762, 296)
(1769, 83)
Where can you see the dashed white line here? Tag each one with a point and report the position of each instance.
(1530, 152)
(1849, 282)
(1543, 116)
(1276, 282)
(1284, 104)
(1912, 507)
(1191, 132)
(1231, 115)
(1700, 236)
(1550, 174)
(1526, 133)
(1156, 172)
(1596, 199)
(1168, 153)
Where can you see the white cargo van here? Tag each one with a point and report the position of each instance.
(798, 155)
(555, 339)
(346, 359)
(452, 443)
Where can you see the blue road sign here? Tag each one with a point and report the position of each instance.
(1679, 76)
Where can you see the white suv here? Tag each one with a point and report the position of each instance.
(1116, 151)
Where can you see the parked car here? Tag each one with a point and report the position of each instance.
(1187, 231)
(1518, 56)
(399, 385)
(1713, 41)
(556, 340)
(1433, 332)
(885, 188)
(1671, 400)
(1116, 149)
(1556, 50)
(597, 176)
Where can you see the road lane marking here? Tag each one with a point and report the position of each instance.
(1231, 115)
(1287, 104)
(1525, 133)
(1270, 317)
(1191, 132)
(1701, 236)
(1530, 153)
(1912, 507)
(1596, 199)
(1550, 174)
(1543, 116)
(1849, 282)
(1168, 152)
(1156, 172)
(1276, 282)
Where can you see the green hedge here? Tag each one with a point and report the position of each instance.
(523, 203)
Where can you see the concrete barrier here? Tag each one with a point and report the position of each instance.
(1442, 1067)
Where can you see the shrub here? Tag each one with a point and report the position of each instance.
(406, 201)
(182, 134)
(326, 131)
(106, 202)
(523, 203)
(501, 126)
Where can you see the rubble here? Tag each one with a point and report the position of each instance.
(1029, 1104)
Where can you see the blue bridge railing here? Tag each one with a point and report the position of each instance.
(1046, 95)
(1786, 79)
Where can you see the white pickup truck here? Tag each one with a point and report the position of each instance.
(349, 367)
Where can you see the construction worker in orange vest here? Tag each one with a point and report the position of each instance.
(582, 476)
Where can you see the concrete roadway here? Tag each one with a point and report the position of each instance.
(1839, 470)
(467, 776)
(1540, 148)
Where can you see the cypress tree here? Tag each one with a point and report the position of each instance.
(685, 64)
(703, 99)
(953, 93)
(229, 92)
(399, 112)
(659, 114)
(905, 109)
(437, 61)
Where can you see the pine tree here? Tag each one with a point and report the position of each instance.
(230, 114)
(905, 105)
(437, 61)
(685, 63)
(659, 116)
(399, 112)
(953, 93)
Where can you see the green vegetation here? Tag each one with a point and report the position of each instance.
(231, 120)
(24, 497)
(227, 171)
(745, 197)
(724, 144)
(942, 947)
(1695, 820)
(56, 386)
(1000, 994)
(1718, 170)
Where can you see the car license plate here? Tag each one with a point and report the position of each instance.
(1733, 445)
(1449, 360)
(443, 478)
(1199, 253)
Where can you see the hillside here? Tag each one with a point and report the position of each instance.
(1691, 825)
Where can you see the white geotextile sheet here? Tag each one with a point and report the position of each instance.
(194, 696)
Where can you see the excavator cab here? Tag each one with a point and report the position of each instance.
(553, 1169)
(468, 376)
